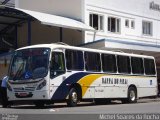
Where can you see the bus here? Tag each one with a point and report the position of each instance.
(49, 73)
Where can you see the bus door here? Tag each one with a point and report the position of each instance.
(57, 70)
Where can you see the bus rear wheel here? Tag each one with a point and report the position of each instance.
(132, 95)
(73, 98)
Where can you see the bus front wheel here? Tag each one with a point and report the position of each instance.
(73, 98)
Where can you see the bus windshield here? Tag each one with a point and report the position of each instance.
(29, 64)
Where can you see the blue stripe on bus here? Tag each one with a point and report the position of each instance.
(63, 89)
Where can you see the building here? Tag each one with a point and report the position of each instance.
(122, 21)
(121, 25)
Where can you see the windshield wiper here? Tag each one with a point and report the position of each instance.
(19, 71)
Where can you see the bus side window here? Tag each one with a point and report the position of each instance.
(92, 62)
(137, 65)
(123, 63)
(74, 60)
(57, 66)
(149, 66)
(109, 63)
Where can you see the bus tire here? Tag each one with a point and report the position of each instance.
(132, 95)
(4, 105)
(73, 98)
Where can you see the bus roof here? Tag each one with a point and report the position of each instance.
(65, 46)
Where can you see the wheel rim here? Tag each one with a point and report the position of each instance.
(132, 95)
(74, 97)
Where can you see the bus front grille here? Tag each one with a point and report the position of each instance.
(24, 89)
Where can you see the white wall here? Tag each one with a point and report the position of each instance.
(67, 8)
(136, 7)
(137, 10)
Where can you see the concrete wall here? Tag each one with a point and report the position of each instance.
(4, 65)
(67, 8)
(42, 34)
(22, 35)
(4, 70)
(46, 34)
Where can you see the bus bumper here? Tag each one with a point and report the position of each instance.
(35, 95)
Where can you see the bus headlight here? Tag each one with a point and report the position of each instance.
(41, 85)
(9, 87)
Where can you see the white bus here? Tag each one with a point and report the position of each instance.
(55, 72)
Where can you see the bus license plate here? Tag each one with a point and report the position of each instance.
(23, 94)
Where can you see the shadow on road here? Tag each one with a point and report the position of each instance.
(82, 104)
(60, 105)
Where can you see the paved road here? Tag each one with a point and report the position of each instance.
(143, 106)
